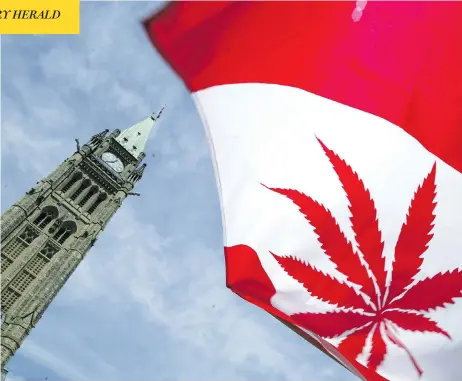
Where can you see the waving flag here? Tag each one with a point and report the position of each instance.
(336, 133)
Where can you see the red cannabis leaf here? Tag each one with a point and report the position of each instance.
(331, 324)
(379, 347)
(414, 237)
(412, 321)
(316, 281)
(355, 342)
(331, 238)
(364, 221)
(400, 304)
(434, 290)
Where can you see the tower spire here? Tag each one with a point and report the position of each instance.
(155, 117)
(134, 139)
(47, 233)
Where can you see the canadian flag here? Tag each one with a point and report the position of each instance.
(336, 133)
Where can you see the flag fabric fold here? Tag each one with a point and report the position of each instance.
(337, 145)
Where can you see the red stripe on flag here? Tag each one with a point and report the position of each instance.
(401, 61)
(246, 277)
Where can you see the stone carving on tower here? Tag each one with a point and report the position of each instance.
(47, 232)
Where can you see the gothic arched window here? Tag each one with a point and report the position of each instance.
(65, 230)
(76, 177)
(93, 190)
(47, 214)
(99, 200)
(85, 184)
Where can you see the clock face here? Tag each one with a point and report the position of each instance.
(113, 161)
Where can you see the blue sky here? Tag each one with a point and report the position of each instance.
(149, 302)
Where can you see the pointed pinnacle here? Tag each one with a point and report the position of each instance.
(155, 117)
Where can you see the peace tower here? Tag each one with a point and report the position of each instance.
(47, 233)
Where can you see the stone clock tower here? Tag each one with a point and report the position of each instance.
(49, 231)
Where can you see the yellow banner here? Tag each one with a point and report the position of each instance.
(39, 16)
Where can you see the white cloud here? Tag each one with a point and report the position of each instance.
(183, 293)
(40, 354)
(22, 144)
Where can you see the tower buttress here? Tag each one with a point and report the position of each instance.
(49, 231)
